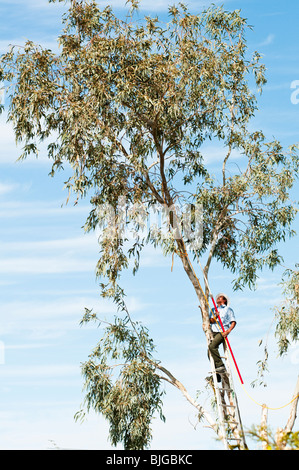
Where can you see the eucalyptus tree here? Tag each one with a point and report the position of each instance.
(129, 105)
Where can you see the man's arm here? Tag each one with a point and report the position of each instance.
(227, 332)
(213, 318)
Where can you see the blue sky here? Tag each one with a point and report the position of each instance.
(47, 272)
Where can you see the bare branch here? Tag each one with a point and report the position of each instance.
(176, 383)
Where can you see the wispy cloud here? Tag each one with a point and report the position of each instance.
(40, 371)
(8, 150)
(45, 265)
(6, 188)
(77, 244)
(17, 209)
(268, 41)
(49, 256)
(31, 322)
(38, 4)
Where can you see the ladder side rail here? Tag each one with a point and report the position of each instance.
(230, 408)
(234, 399)
(219, 405)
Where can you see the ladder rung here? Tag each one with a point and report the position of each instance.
(219, 373)
(228, 413)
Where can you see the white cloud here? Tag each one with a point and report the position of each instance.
(215, 154)
(17, 209)
(38, 320)
(49, 257)
(6, 188)
(66, 245)
(38, 4)
(268, 41)
(8, 149)
(39, 371)
(43, 425)
(153, 258)
(20, 347)
(45, 265)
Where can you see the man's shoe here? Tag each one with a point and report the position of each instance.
(210, 379)
(220, 370)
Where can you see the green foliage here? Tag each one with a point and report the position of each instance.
(275, 441)
(287, 322)
(287, 315)
(121, 383)
(128, 106)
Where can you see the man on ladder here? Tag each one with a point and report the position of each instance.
(223, 321)
(227, 317)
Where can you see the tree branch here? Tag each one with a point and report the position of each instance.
(176, 383)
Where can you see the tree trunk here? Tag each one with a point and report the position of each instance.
(291, 421)
(264, 428)
(203, 305)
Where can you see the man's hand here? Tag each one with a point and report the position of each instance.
(214, 318)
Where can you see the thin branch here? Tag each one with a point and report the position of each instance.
(224, 163)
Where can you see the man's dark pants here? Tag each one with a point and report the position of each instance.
(214, 349)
